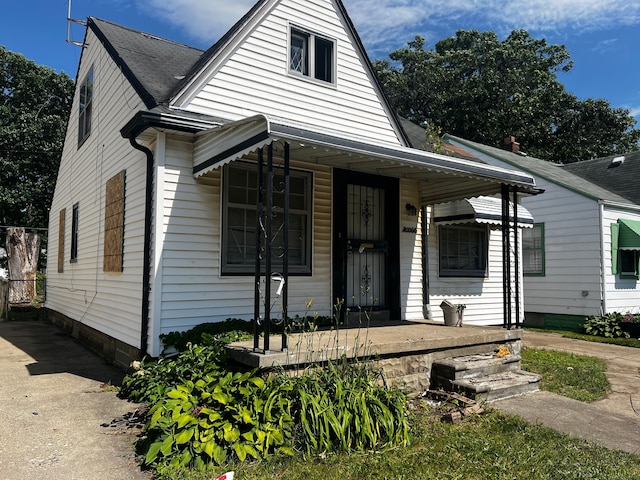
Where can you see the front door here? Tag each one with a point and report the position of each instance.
(366, 255)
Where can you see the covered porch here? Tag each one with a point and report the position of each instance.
(271, 144)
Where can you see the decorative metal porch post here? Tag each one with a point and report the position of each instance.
(258, 263)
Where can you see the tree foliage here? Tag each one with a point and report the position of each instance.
(483, 89)
(34, 108)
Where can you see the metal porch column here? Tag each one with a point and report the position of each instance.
(506, 249)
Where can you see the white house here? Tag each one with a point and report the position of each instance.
(157, 211)
(581, 258)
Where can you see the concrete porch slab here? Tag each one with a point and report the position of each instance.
(405, 350)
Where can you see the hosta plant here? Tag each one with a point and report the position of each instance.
(609, 325)
(219, 419)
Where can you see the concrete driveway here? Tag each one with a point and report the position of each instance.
(58, 417)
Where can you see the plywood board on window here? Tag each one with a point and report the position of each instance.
(114, 223)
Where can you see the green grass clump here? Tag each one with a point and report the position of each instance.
(575, 376)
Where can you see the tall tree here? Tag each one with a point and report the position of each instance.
(35, 102)
(481, 88)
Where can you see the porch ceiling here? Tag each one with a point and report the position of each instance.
(444, 178)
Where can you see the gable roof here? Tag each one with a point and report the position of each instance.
(160, 69)
(550, 171)
(153, 65)
(616, 173)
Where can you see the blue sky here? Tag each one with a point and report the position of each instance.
(602, 36)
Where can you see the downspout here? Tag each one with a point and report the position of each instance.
(148, 211)
(603, 270)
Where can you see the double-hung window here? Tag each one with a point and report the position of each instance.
(311, 55)
(462, 250)
(239, 220)
(533, 250)
(85, 107)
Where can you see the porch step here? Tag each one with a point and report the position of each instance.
(485, 377)
(499, 385)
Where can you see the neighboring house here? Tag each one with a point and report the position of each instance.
(581, 258)
(156, 213)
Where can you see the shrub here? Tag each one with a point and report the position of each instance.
(609, 325)
(150, 379)
(219, 333)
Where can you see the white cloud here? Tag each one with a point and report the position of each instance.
(205, 21)
(394, 22)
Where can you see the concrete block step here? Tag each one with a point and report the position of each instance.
(499, 385)
(469, 366)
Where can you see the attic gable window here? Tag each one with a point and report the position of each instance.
(311, 55)
(85, 107)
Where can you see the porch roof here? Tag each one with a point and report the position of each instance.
(445, 178)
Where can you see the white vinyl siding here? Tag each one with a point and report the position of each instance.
(482, 296)
(84, 292)
(410, 252)
(572, 281)
(622, 292)
(193, 288)
(255, 79)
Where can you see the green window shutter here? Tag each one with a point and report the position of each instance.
(614, 248)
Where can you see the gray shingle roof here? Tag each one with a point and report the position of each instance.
(153, 65)
(550, 171)
(622, 178)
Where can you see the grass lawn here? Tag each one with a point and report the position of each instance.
(575, 376)
(488, 446)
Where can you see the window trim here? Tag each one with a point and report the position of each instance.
(85, 109)
(249, 268)
(542, 273)
(312, 38)
(484, 252)
(75, 219)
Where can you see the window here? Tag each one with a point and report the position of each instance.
(239, 220)
(629, 263)
(311, 55)
(85, 108)
(462, 250)
(533, 250)
(74, 234)
(63, 213)
(114, 223)
(625, 248)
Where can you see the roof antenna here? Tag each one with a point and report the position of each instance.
(69, 21)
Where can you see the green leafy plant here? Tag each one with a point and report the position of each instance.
(609, 325)
(218, 419)
(343, 408)
(150, 379)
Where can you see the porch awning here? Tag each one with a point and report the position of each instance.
(445, 178)
(479, 210)
(628, 234)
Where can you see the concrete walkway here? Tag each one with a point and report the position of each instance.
(58, 418)
(613, 422)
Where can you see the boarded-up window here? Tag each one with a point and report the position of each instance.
(63, 213)
(114, 223)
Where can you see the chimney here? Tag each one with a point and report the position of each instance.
(511, 144)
